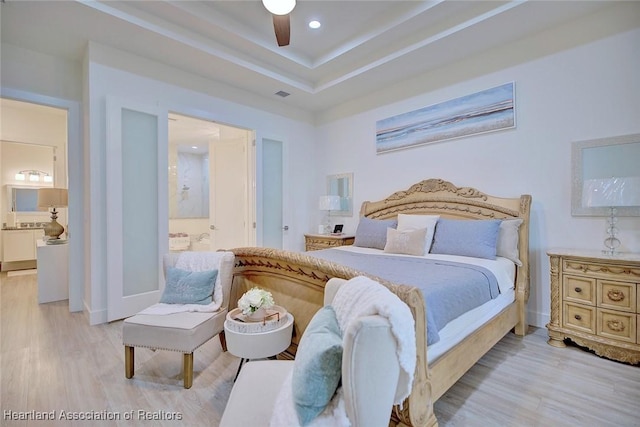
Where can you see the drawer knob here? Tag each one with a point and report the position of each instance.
(577, 289)
(578, 317)
(615, 325)
(615, 295)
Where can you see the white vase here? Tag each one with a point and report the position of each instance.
(258, 315)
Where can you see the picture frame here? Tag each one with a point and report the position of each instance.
(337, 229)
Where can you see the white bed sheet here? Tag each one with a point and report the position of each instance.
(459, 328)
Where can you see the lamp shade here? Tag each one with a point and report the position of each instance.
(52, 198)
(329, 203)
(611, 192)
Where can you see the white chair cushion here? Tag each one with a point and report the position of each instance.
(183, 332)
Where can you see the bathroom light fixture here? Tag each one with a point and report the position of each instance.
(34, 176)
(611, 193)
(314, 24)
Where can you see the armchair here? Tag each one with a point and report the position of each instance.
(183, 331)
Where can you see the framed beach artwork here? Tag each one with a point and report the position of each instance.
(486, 111)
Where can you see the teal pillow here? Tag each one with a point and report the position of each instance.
(318, 365)
(189, 287)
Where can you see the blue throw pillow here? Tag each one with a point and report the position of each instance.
(317, 368)
(474, 238)
(189, 287)
(372, 233)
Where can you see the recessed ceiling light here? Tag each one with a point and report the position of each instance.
(194, 147)
(314, 24)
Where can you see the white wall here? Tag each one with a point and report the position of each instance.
(586, 92)
(105, 80)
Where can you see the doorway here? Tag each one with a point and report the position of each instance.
(211, 205)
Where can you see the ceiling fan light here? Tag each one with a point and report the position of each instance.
(279, 7)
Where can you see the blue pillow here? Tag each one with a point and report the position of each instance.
(317, 368)
(189, 287)
(474, 238)
(372, 233)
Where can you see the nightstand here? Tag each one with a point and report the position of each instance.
(314, 242)
(595, 302)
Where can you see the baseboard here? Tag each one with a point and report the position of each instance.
(95, 317)
(538, 319)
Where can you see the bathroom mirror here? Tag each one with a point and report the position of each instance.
(603, 158)
(341, 185)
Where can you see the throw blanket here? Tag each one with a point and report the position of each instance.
(449, 288)
(359, 297)
(194, 261)
(362, 296)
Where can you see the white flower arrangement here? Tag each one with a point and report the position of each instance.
(255, 299)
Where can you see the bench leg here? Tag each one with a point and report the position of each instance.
(223, 341)
(128, 361)
(188, 370)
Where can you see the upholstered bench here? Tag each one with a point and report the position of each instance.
(182, 332)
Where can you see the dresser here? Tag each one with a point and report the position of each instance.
(595, 301)
(314, 242)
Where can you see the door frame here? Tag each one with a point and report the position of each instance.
(75, 174)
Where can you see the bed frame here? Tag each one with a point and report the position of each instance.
(297, 282)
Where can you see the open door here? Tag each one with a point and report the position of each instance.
(136, 210)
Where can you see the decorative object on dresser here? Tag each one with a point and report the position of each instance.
(52, 198)
(314, 242)
(328, 203)
(595, 302)
(612, 193)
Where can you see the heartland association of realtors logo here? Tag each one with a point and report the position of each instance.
(57, 415)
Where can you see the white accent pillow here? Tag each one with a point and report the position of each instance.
(416, 222)
(508, 238)
(405, 242)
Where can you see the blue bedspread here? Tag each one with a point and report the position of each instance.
(449, 288)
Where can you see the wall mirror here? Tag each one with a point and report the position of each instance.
(341, 185)
(601, 159)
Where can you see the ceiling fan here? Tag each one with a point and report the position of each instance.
(280, 9)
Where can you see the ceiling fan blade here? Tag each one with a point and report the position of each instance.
(282, 27)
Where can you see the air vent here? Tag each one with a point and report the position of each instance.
(282, 93)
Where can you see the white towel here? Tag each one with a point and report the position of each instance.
(194, 261)
(362, 296)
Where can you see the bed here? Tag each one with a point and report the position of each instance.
(297, 281)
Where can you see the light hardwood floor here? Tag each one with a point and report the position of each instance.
(53, 360)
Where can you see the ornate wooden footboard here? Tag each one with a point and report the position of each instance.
(297, 283)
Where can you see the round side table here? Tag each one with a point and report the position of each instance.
(257, 345)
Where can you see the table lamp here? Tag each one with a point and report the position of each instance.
(329, 203)
(52, 198)
(612, 193)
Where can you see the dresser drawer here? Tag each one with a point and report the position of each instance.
(601, 270)
(617, 295)
(579, 317)
(617, 325)
(579, 289)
